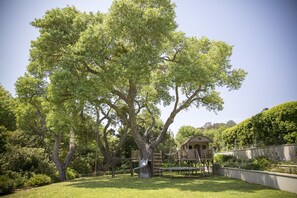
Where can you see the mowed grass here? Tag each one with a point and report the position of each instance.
(127, 186)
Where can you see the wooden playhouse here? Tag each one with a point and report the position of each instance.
(197, 153)
(195, 149)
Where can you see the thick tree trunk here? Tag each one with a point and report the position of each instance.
(104, 151)
(62, 166)
(145, 149)
(62, 172)
(71, 148)
(146, 172)
(112, 164)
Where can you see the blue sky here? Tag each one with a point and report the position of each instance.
(263, 33)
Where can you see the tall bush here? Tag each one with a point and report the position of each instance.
(277, 125)
(7, 185)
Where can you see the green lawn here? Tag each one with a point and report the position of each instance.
(127, 186)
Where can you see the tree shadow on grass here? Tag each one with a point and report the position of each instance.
(205, 184)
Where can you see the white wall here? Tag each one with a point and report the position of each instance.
(286, 152)
(286, 182)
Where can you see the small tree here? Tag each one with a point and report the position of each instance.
(43, 90)
(186, 132)
(214, 131)
(7, 116)
(49, 119)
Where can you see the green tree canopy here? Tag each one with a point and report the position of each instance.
(186, 132)
(214, 131)
(7, 116)
(132, 54)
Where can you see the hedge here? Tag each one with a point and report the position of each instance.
(277, 125)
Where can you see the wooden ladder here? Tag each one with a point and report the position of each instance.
(157, 162)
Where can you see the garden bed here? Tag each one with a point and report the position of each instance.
(262, 163)
(286, 182)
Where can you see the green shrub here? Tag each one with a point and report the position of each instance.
(282, 169)
(219, 158)
(261, 163)
(224, 159)
(39, 180)
(18, 178)
(71, 174)
(7, 185)
(247, 166)
(278, 170)
(231, 165)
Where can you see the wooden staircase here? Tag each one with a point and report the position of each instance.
(157, 162)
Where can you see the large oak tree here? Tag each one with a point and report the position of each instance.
(135, 55)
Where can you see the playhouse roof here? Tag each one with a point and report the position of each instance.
(197, 139)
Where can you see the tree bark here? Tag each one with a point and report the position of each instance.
(109, 156)
(113, 164)
(146, 148)
(62, 166)
(146, 172)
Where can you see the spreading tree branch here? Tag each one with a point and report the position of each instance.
(174, 112)
(152, 118)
